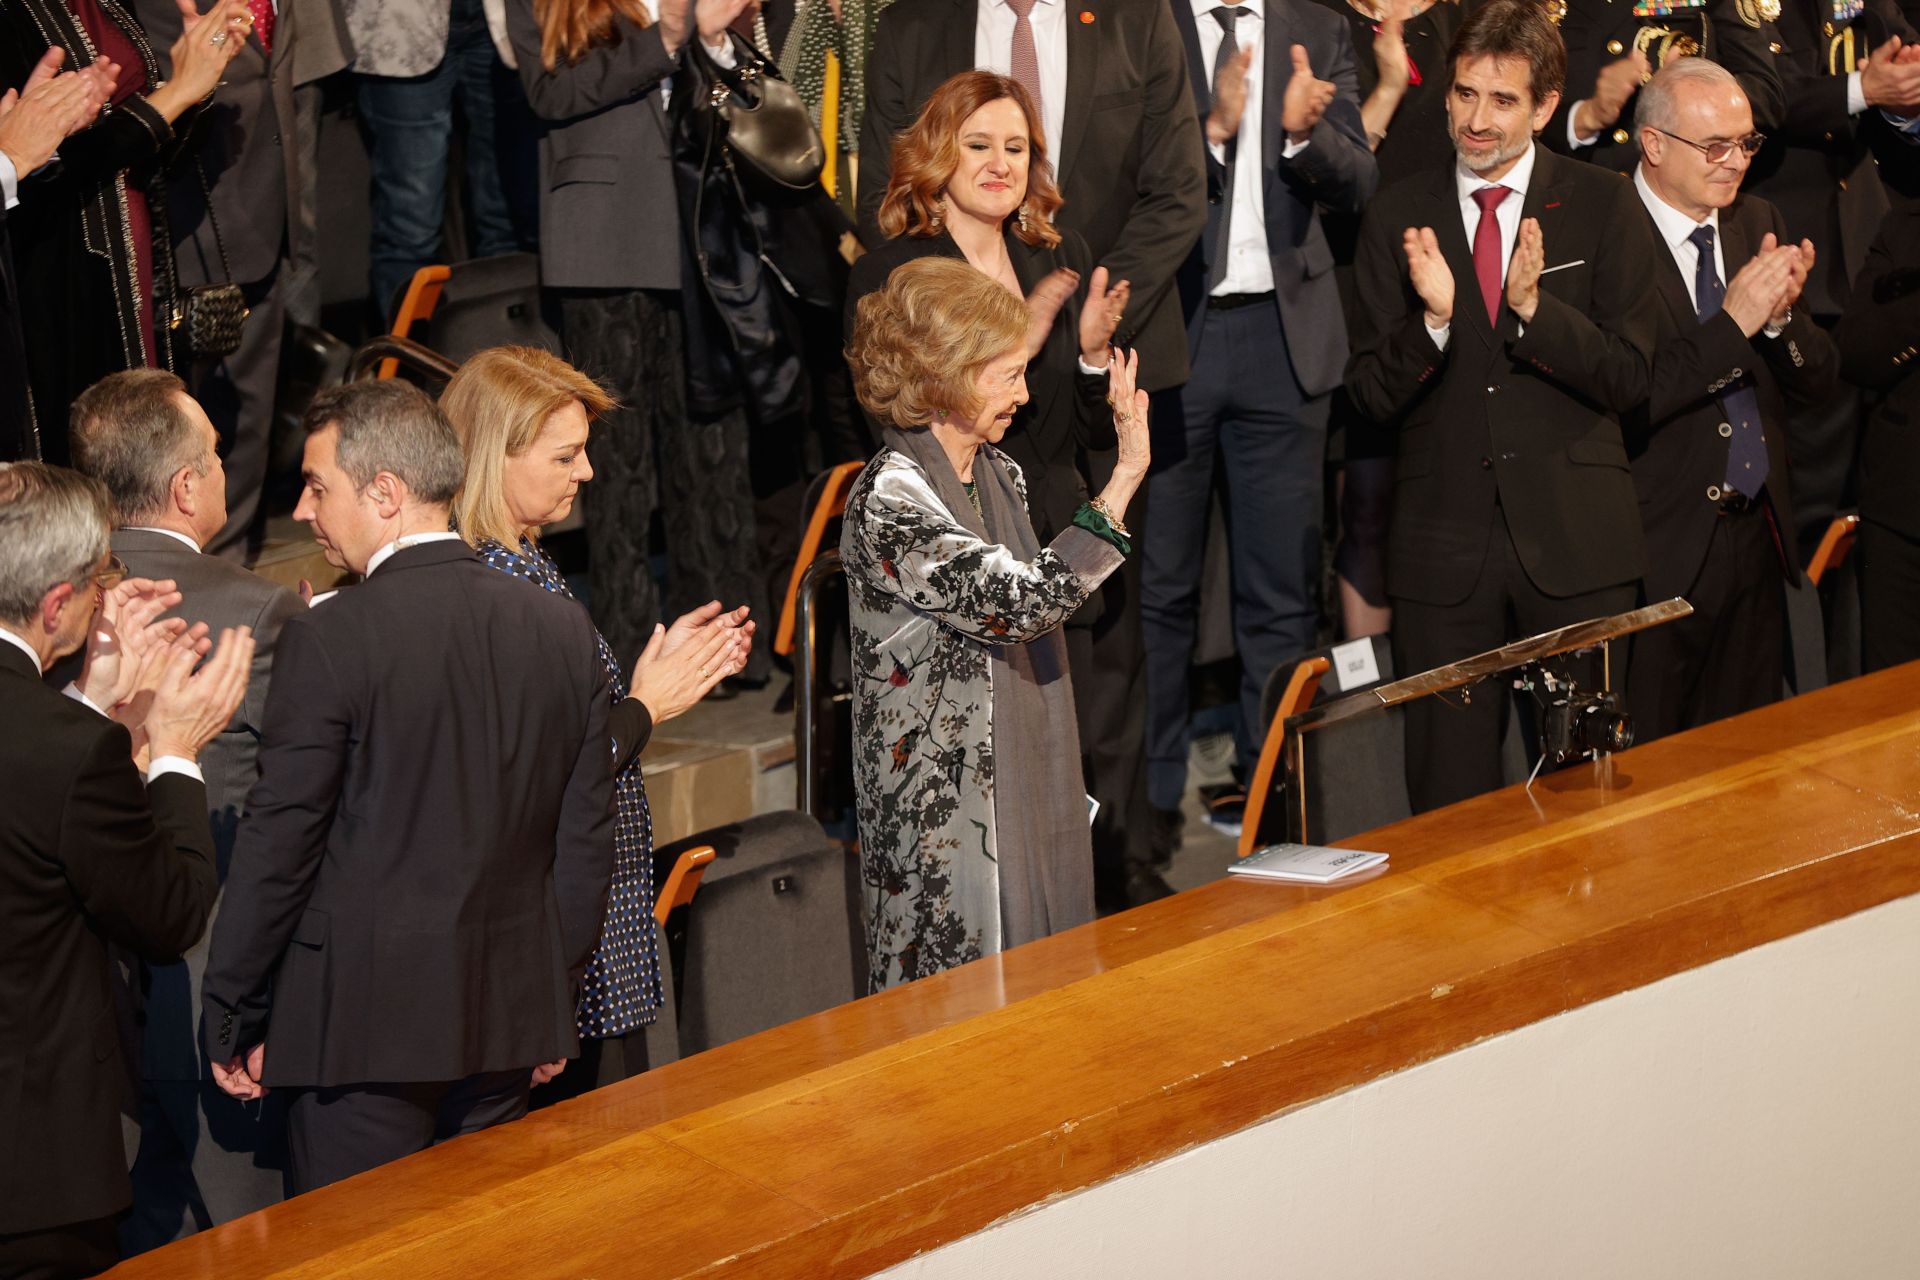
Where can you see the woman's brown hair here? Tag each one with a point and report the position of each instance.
(498, 404)
(568, 28)
(920, 343)
(927, 153)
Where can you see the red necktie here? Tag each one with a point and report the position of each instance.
(1486, 249)
(262, 11)
(1025, 63)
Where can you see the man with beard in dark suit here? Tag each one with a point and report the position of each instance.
(422, 869)
(205, 1158)
(92, 855)
(1710, 449)
(1506, 323)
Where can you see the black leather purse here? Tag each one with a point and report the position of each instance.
(208, 316)
(758, 116)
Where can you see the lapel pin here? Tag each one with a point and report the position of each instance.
(1086, 17)
(1553, 204)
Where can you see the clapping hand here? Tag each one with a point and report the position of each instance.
(1390, 48)
(49, 108)
(126, 638)
(1305, 100)
(241, 1077)
(1432, 277)
(1100, 316)
(1523, 273)
(1229, 97)
(1043, 306)
(1616, 83)
(190, 707)
(1890, 78)
(208, 42)
(682, 663)
(1796, 283)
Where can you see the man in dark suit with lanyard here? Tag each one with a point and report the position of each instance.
(1710, 449)
(1505, 367)
(1279, 104)
(422, 870)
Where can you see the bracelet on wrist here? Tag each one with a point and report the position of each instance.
(1107, 514)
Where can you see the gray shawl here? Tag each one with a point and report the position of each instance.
(1043, 841)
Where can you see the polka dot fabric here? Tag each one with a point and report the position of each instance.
(621, 990)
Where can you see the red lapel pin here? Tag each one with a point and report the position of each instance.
(1553, 204)
(1086, 17)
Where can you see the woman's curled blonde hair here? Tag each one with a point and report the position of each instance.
(919, 344)
(498, 403)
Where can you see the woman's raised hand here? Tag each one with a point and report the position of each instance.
(1129, 413)
(1100, 316)
(208, 42)
(1043, 306)
(682, 663)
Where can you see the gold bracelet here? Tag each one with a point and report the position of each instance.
(1106, 513)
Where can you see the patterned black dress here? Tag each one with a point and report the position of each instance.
(621, 989)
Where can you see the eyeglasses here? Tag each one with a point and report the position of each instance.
(112, 576)
(1721, 152)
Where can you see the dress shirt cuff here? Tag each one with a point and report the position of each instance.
(1218, 150)
(1907, 126)
(724, 55)
(1574, 140)
(1856, 96)
(1089, 370)
(1292, 148)
(1439, 335)
(73, 691)
(9, 181)
(174, 764)
(1775, 330)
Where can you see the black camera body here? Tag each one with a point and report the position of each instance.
(1574, 721)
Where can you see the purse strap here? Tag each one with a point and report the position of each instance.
(219, 243)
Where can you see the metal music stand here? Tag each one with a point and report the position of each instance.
(1468, 671)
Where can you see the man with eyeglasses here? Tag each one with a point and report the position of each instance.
(1709, 450)
(91, 854)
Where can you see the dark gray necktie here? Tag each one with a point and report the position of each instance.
(1226, 16)
(1746, 450)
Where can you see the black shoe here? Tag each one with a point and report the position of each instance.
(1166, 834)
(1226, 804)
(1145, 885)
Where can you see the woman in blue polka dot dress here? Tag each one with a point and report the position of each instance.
(523, 417)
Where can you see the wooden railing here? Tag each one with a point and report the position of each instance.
(843, 1143)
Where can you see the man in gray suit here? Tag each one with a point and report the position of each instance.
(257, 151)
(204, 1157)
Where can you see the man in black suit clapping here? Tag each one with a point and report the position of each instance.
(1505, 324)
(91, 855)
(423, 866)
(1710, 448)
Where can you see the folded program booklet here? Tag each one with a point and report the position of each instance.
(1305, 863)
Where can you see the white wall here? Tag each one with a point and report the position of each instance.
(1759, 1117)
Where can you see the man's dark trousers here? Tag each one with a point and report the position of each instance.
(334, 1134)
(1243, 407)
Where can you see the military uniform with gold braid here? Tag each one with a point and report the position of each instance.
(1817, 168)
(1737, 34)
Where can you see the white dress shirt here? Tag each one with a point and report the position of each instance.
(1507, 215)
(165, 764)
(993, 51)
(1674, 227)
(387, 552)
(9, 181)
(1249, 265)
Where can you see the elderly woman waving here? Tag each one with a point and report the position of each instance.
(973, 819)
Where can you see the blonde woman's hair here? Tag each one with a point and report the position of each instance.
(498, 402)
(919, 344)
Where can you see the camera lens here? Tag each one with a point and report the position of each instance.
(1602, 729)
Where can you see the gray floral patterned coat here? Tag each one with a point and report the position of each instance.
(932, 604)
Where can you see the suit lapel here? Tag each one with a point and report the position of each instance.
(1675, 290)
(1444, 218)
(1737, 247)
(1545, 203)
(1196, 58)
(1083, 75)
(1276, 55)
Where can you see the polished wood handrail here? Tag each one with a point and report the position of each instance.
(843, 1143)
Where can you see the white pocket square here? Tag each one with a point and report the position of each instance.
(1577, 262)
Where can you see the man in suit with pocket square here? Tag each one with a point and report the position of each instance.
(1506, 323)
(1710, 449)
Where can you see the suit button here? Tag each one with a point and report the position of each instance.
(1826, 28)
(1713, 493)
(1486, 464)
(1493, 391)
(1620, 135)
(1615, 47)
(1775, 47)
(1726, 428)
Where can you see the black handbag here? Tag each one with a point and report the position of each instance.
(209, 316)
(758, 116)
